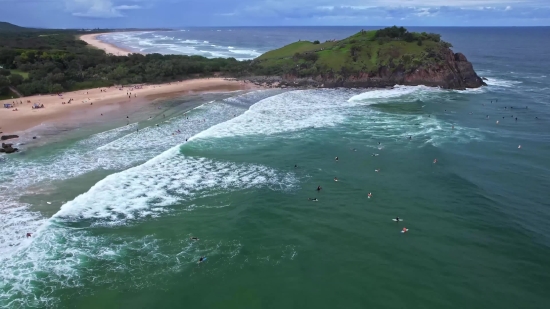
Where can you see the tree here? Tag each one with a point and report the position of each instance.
(16, 79)
(5, 72)
(316, 42)
(56, 88)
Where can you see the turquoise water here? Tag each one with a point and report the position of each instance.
(124, 203)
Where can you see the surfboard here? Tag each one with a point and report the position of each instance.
(396, 220)
(403, 232)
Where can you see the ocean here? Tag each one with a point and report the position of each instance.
(112, 208)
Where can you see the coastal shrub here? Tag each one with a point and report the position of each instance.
(316, 42)
(5, 72)
(16, 79)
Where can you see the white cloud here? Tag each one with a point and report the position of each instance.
(508, 8)
(99, 8)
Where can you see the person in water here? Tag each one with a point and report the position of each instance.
(335, 179)
(29, 235)
(201, 259)
(397, 219)
(313, 199)
(319, 188)
(336, 158)
(194, 238)
(295, 166)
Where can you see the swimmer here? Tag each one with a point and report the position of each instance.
(497, 121)
(295, 166)
(194, 238)
(519, 147)
(369, 195)
(336, 158)
(335, 179)
(410, 136)
(375, 155)
(396, 219)
(319, 188)
(201, 259)
(377, 170)
(516, 118)
(435, 161)
(29, 235)
(487, 117)
(404, 230)
(354, 149)
(313, 199)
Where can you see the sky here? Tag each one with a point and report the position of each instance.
(188, 13)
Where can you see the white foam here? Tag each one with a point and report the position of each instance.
(381, 94)
(495, 82)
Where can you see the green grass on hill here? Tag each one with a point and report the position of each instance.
(24, 74)
(365, 51)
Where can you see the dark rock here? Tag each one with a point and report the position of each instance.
(484, 78)
(34, 137)
(7, 148)
(6, 137)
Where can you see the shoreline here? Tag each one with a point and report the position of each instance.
(91, 103)
(95, 42)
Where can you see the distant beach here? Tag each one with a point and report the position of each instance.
(93, 40)
(93, 102)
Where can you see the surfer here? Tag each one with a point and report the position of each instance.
(410, 136)
(405, 230)
(313, 199)
(377, 170)
(194, 238)
(295, 166)
(29, 235)
(335, 179)
(375, 155)
(397, 219)
(319, 188)
(336, 158)
(201, 259)
(435, 161)
(519, 147)
(369, 195)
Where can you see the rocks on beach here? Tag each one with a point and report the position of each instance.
(6, 137)
(8, 148)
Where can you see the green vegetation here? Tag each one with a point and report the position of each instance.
(49, 61)
(4, 26)
(364, 52)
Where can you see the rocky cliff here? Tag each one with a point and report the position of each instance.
(365, 61)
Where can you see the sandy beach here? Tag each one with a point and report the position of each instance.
(94, 102)
(108, 48)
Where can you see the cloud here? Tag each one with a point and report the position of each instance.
(99, 8)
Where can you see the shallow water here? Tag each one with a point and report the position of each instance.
(124, 204)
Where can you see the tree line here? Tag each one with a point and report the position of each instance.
(58, 61)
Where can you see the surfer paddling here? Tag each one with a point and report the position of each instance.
(194, 238)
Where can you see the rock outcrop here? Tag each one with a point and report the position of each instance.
(6, 137)
(8, 148)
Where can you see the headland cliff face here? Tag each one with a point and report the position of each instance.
(353, 63)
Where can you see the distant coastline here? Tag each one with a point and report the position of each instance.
(94, 41)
